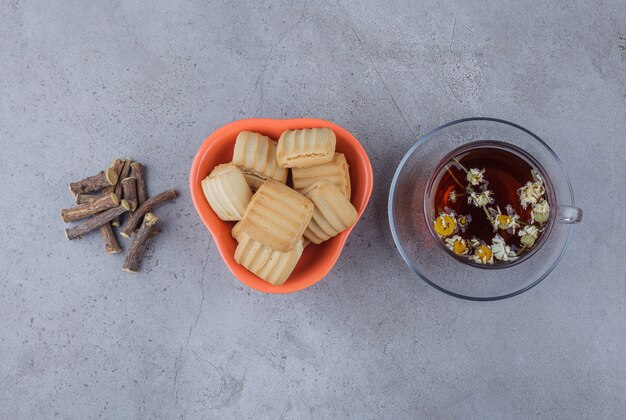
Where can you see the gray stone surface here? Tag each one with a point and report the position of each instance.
(82, 82)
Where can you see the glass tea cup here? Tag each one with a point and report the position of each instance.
(411, 211)
(560, 213)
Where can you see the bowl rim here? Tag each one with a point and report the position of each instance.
(392, 225)
(250, 279)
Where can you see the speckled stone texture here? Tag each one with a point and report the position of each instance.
(83, 82)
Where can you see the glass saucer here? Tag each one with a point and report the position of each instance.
(424, 254)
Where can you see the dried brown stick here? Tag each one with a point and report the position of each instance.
(118, 187)
(148, 205)
(111, 246)
(132, 261)
(123, 174)
(117, 165)
(142, 192)
(88, 198)
(129, 189)
(89, 209)
(133, 206)
(94, 183)
(96, 221)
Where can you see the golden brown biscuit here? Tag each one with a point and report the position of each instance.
(336, 172)
(333, 212)
(236, 231)
(272, 266)
(255, 154)
(277, 216)
(306, 147)
(227, 191)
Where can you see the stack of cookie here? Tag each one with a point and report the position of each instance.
(277, 219)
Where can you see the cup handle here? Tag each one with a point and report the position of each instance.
(568, 214)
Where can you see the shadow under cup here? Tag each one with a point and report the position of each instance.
(410, 215)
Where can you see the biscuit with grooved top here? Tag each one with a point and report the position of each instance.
(272, 266)
(306, 147)
(333, 212)
(236, 231)
(277, 216)
(227, 191)
(336, 172)
(255, 155)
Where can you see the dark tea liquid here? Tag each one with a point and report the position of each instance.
(504, 173)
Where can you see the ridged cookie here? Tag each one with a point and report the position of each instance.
(236, 231)
(272, 266)
(277, 216)
(227, 191)
(336, 172)
(306, 147)
(333, 212)
(255, 154)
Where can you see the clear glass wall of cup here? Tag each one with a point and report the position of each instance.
(410, 212)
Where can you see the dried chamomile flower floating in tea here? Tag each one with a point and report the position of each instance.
(492, 205)
(457, 245)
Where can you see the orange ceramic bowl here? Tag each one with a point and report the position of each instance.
(317, 260)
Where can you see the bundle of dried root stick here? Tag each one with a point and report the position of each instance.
(102, 200)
